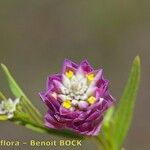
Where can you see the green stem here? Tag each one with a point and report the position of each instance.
(38, 125)
(2, 96)
(103, 143)
(35, 115)
(42, 128)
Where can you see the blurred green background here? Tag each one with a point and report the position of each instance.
(36, 36)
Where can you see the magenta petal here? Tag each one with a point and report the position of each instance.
(42, 95)
(67, 113)
(86, 126)
(51, 122)
(50, 80)
(50, 101)
(97, 77)
(69, 65)
(93, 116)
(58, 86)
(86, 66)
(97, 127)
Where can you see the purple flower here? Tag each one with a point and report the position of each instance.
(77, 98)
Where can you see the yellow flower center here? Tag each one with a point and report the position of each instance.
(90, 77)
(69, 74)
(91, 99)
(67, 104)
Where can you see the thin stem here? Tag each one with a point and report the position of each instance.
(42, 128)
(35, 115)
(103, 143)
(2, 96)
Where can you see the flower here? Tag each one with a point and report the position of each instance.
(8, 107)
(77, 98)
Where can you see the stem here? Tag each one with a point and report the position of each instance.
(42, 128)
(38, 124)
(35, 115)
(2, 96)
(103, 143)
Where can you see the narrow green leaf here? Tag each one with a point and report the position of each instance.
(124, 112)
(108, 128)
(17, 91)
(108, 117)
(3, 118)
(2, 96)
(29, 126)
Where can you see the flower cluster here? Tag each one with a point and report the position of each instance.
(77, 98)
(8, 107)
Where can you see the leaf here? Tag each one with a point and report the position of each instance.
(108, 127)
(3, 117)
(108, 117)
(124, 112)
(29, 126)
(105, 135)
(2, 96)
(17, 91)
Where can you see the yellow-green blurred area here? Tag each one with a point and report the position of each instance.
(37, 35)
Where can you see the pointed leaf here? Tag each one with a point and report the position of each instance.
(108, 117)
(124, 112)
(17, 91)
(2, 96)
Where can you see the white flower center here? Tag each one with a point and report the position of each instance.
(76, 91)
